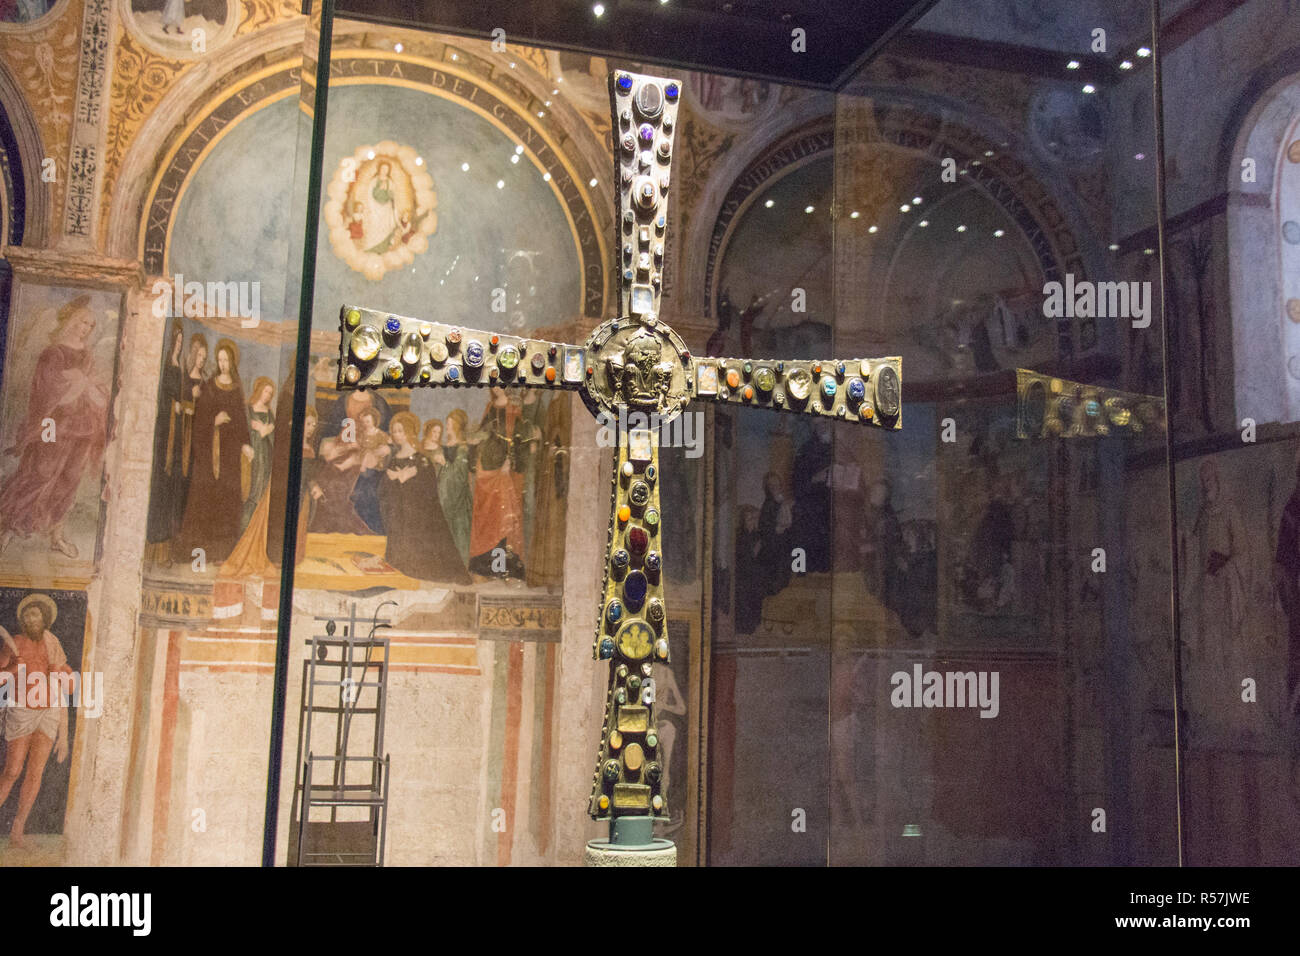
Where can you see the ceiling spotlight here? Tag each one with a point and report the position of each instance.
(464, 167)
(397, 48)
(916, 200)
(419, 160)
(988, 153)
(598, 9)
(923, 223)
(370, 154)
(1089, 88)
(501, 184)
(871, 229)
(998, 233)
(1148, 252)
(540, 114)
(1126, 64)
(905, 208)
(961, 228)
(519, 148)
(1073, 65)
(546, 177)
(807, 208)
(1139, 156)
(594, 182)
(514, 158)
(1113, 247)
(769, 204)
(855, 214)
(1143, 51)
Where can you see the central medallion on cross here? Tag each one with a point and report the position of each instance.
(635, 361)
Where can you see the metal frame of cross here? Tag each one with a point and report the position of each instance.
(633, 368)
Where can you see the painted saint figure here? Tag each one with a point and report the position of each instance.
(221, 438)
(261, 423)
(36, 724)
(62, 437)
(373, 443)
(173, 17)
(167, 491)
(498, 489)
(454, 489)
(419, 541)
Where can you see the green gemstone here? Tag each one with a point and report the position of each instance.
(765, 379)
(353, 318)
(651, 739)
(508, 357)
(651, 518)
(749, 367)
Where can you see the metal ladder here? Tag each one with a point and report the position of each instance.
(351, 674)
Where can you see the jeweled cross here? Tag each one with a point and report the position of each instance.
(633, 363)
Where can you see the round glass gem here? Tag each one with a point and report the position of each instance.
(646, 669)
(613, 612)
(661, 649)
(606, 648)
(625, 83)
(856, 389)
(799, 384)
(653, 561)
(426, 373)
(665, 147)
(651, 472)
(453, 374)
(393, 325)
(633, 684)
(1092, 408)
(615, 740)
(646, 132)
(437, 352)
(627, 469)
(603, 802)
(828, 387)
(639, 493)
(539, 361)
(650, 99)
(474, 354)
(508, 357)
(634, 590)
(764, 378)
(620, 695)
(733, 378)
(637, 539)
(352, 375)
(624, 512)
(633, 757)
(412, 346)
(621, 671)
(453, 337)
(620, 559)
(656, 610)
(353, 318)
(651, 519)
(839, 369)
(865, 368)
(610, 771)
(652, 739)
(394, 372)
(426, 329)
(366, 343)
(653, 772)
(672, 91)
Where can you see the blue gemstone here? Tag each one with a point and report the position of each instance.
(839, 370)
(474, 355)
(857, 390)
(1092, 408)
(828, 387)
(650, 472)
(780, 367)
(453, 373)
(634, 589)
(624, 82)
(606, 648)
(652, 561)
(392, 326)
(671, 91)
(661, 221)
(613, 611)
(620, 559)
(647, 132)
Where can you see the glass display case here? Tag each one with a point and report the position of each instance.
(729, 433)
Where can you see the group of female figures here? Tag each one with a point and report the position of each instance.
(212, 452)
(448, 500)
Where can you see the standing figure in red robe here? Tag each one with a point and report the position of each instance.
(498, 488)
(216, 499)
(62, 437)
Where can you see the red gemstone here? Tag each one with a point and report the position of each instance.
(637, 539)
